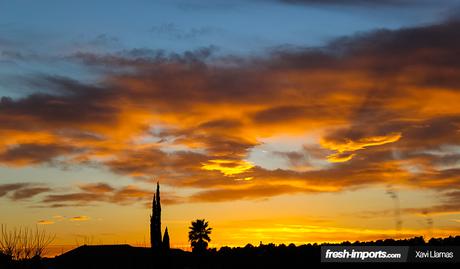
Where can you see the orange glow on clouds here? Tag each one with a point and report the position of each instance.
(79, 218)
(349, 145)
(339, 157)
(45, 222)
(228, 167)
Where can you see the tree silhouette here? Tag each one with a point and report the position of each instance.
(23, 243)
(199, 235)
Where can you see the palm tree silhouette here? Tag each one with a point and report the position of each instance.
(199, 235)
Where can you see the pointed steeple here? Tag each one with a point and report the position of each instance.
(155, 221)
(154, 205)
(166, 240)
(158, 215)
(152, 223)
(158, 205)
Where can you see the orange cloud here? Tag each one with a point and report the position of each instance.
(344, 148)
(228, 167)
(45, 222)
(350, 145)
(340, 157)
(79, 218)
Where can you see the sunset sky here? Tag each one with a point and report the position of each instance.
(276, 120)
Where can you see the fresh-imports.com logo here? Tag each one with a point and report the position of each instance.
(346, 254)
(364, 253)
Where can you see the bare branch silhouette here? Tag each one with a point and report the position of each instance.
(24, 243)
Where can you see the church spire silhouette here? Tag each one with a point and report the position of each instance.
(155, 221)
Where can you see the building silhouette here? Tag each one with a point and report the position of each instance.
(155, 224)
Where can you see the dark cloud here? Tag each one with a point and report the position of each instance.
(148, 162)
(221, 124)
(70, 103)
(34, 153)
(6, 188)
(275, 115)
(25, 193)
(293, 156)
(97, 188)
(74, 197)
(102, 192)
(21, 191)
(141, 58)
